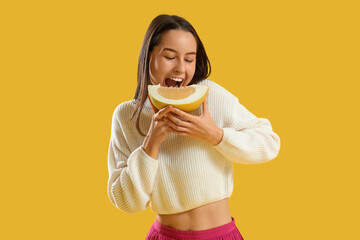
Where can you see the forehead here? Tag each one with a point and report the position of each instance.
(179, 40)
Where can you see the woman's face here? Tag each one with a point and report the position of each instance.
(174, 57)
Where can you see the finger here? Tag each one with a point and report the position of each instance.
(154, 109)
(183, 115)
(175, 128)
(178, 121)
(173, 125)
(162, 112)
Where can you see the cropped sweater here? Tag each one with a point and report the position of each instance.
(188, 172)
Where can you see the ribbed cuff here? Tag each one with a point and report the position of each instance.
(145, 155)
(224, 138)
(224, 146)
(142, 169)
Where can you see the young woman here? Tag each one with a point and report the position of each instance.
(181, 163)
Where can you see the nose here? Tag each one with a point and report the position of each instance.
(179, 67)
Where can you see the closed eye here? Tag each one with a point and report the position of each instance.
(174, 58)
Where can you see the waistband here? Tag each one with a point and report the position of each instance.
(201, 234)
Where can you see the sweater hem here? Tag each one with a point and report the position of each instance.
(194, 206)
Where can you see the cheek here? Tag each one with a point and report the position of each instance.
(191, 69)
(162, 65)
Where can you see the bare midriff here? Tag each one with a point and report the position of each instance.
(204, 217)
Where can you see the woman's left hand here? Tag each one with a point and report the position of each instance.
(200, 127)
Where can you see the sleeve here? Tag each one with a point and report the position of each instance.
(131, 174)
(248, 139)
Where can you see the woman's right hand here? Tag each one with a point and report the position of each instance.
(160, 126)
(159, 130)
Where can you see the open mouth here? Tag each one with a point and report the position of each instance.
(173, 82)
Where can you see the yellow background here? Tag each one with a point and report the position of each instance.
(66, 65)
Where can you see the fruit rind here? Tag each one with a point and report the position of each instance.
(187, 104)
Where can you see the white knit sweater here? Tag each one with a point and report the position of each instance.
(188, 173)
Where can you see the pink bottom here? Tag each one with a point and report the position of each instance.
(227, 231)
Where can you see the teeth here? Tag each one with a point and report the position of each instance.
(179, 80)
(176, 79)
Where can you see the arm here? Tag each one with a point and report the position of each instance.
(131, 174)
(248, 139)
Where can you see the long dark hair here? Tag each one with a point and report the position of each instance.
(157, 27)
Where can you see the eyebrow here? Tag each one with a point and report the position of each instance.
(173, 50)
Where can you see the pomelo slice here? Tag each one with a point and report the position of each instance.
(186, 98)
